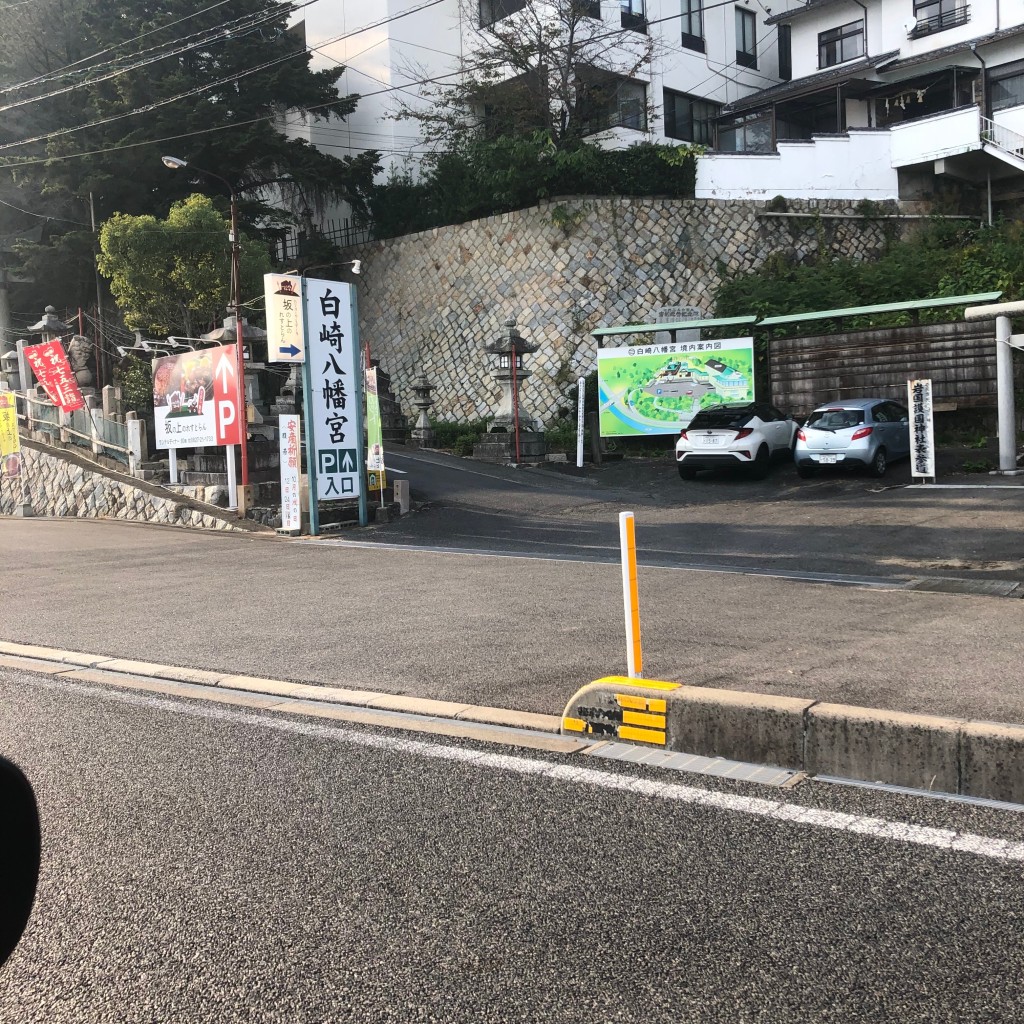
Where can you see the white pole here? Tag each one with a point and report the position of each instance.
(581, 385)
(172, 464)
(1004, 397)
(630, 595)
(229, 455)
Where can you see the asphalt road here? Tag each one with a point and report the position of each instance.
(838, 523)
(208, 865)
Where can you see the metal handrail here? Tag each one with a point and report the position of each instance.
(938, 22)
(1002, 137)
(64, 425)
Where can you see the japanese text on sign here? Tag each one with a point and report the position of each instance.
(922, 429)
(285, 341)
(291, 514)
(53, 371)
(336, 394)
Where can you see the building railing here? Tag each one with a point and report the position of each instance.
(940, 22)
(1002, 138)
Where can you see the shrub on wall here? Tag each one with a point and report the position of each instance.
(488, 176)
(944, 258)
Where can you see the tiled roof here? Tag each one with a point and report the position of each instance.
(809, 83)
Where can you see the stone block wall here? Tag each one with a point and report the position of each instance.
(65, 487)
(431, 301)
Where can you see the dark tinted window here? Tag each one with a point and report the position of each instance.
(732, 417)
(836, 419)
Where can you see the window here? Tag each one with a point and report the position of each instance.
(1006, 86)
(749, 133)
(613, 102)
(690, 118)
(840, 44)
(633, 15)
(592, 9)
(746, 38)
(693, 25)
(494, 10)
(785, 53)
(936, 15)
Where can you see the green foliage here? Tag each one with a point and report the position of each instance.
(487, 176)
(458, 437)
(136, 380)
(175, 274)
(944, 258)
(240, 81)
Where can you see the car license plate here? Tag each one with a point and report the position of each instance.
(827, 459)
(712, 440)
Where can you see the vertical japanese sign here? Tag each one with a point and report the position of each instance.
(374, 435)
(52, 369)
(195, 399)
(10, 444)
(922, 428)
(285, 342)
(333, 362)
(291, 508)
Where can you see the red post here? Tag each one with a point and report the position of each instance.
(515, 395)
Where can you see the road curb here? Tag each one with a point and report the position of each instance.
(374, 700)
(948, 755)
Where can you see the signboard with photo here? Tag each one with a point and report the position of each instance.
(195, 399)
(658, 389)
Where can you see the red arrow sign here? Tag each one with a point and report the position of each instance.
(225, 396)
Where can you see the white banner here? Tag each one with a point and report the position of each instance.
(285, 343)
(336, 390)
(291, 507)
(922, 428)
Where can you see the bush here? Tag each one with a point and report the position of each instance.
(456, 436)
(488, 176)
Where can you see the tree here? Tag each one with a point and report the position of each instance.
(550, 67)
(174, 275)
(233, 73)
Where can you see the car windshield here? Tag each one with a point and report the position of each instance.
(835, 419)
(732, 417)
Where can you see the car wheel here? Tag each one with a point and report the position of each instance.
(805, 472)
(687, 472)
(879, 464)
(761, 464)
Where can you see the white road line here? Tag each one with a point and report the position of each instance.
(837, 821)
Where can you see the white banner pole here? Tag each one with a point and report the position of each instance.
(581, 386)
(229, 458)
(630, 595)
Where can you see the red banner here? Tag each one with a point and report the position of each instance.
(53, 371)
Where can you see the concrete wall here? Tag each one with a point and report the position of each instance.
(932, 138)
(431, 301)
(853, 167)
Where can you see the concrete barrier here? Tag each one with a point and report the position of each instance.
(948, 755)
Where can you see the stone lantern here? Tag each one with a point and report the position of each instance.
(423, 432)
(515, 435)
(51, 327)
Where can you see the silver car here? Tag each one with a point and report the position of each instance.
(867, 433)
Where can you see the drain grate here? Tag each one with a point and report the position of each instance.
(717, 766)
(987, 588)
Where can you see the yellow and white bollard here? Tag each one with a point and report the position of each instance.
(630, 595)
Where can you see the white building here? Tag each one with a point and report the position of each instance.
(886, 99)
(707, 55)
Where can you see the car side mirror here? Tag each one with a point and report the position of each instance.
(20, 846)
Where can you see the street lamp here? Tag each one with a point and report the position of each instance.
(176, 164)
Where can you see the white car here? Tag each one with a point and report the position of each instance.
(749, 434)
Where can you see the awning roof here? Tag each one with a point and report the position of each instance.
(687, 325)
(792, 318)
(811, 83)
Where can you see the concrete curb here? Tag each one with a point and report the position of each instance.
(376, 700)
(949, 755)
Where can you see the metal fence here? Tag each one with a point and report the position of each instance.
(82, 428)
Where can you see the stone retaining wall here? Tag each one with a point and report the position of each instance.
(70, 487)
(431, 301)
